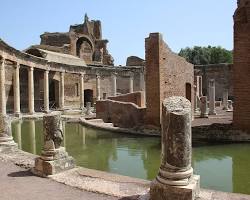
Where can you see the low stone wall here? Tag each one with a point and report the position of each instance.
(219, 133)
(135, 97)
(121, 114)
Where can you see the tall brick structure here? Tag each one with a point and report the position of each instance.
(241, 69)
(167, 74)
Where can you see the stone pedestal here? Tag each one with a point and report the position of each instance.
(175, 180)
(54, 158)
(203, 107)
(159, 191)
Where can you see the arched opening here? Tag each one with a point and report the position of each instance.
(84, 49)
(189, 92)
(88, 96)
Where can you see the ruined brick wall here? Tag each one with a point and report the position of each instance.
(135, 61)
(123, 83)
(121, 114)
(72, 90)
(135, 97)
(55, 39)
(241, 69)
(167, 74)
(222, 73)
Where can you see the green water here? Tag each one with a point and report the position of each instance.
(222, 167)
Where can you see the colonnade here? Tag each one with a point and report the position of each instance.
(46, 72)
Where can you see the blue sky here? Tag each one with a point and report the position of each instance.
(126, 23)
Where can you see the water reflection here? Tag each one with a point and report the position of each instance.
(222, 167)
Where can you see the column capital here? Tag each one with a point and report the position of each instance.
(98, 76)
(46, 71)
(31, 68)
(82, 74)
(131, 74)
(17, 65)
(114, 73)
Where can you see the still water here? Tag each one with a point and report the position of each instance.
(222, 167)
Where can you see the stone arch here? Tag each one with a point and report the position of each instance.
(84, 49)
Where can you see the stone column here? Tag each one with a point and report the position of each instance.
(98, 87)
(131, 83)
(2, 87)
(61, 96)
(6, 138)
(203, 107)
(196, 107)
(31, 89)
(16, 87)
(175, 179)
(225, 99)
(32, 132)
(142, 82)
(54, 158)
(113, 84)
(82, 90)
(46, 91)
(212, 110)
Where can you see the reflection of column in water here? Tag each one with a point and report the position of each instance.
(32, 132)
(64, 134)
(83, 131)
(19, 134)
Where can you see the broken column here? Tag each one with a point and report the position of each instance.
(88, 108)
(175, 179)
(212, 110)
(6, 138)
(230, 106)
(225, 99)
(203, 107)
(54, 158)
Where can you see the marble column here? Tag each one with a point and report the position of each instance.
(131, 83)
(203, 107)
(199, 83)
(82, 90)
(212, 110)
(46, 91)
(113, 84)
(61, 96)
(2, 87)
(98, 87)
(175, 177)
(16, 87)
(225, 99)
(31, 89)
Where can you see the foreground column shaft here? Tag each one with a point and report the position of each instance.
(17, 90)
(203, 107)
(131, 83)
(46, 91)
(2, 87)
(175, 179)
(31, 89)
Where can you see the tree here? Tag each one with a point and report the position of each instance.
(206, 55)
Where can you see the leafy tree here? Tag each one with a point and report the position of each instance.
(206, 55)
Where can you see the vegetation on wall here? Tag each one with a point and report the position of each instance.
(206, 55)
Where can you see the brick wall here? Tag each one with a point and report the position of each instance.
(222, 73)
(241, 70)
(166, 75)
(135, 97)
(121, 114)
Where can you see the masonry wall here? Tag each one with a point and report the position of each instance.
(241, 70)
(167, 74)
(121, 114)
(222, 73)
(135, 97)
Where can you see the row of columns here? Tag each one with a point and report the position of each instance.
(31, 107)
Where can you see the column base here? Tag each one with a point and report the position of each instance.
(18, 115)
(45, 166)
(204, 115)
(212, 113)
(159, 191)
(7, 141)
